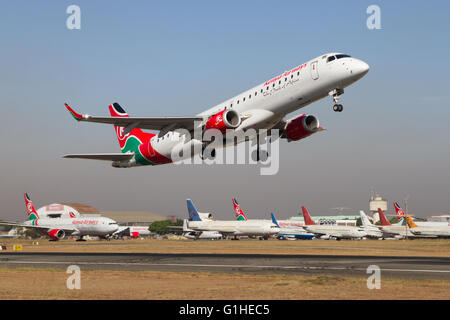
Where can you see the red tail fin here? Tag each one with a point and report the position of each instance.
(383, 219)
(238, 211)
(307, 217)
(399, 211)
(31, 211)
(139, 136)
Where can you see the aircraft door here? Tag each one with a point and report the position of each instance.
(314, 71)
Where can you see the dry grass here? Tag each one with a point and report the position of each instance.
(51, 284)
(418, 247)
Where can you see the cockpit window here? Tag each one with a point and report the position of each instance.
(331, 58)
(340, 56)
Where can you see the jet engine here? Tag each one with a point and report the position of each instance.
(301, 127)
(223, 120)
(56, 234)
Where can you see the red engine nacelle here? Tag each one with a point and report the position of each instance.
(56, 234)
(225, 119)
(134, 235)
(301, 127)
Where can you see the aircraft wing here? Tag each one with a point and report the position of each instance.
(66, 230)
(101, 156)
(150, 123)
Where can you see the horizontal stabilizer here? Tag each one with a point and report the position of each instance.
(102, 156)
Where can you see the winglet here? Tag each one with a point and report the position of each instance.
(274, 220)
(75, 115)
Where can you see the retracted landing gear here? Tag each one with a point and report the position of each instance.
(335, 94)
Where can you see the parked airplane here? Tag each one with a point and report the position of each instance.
(261, 228)
(288, 229)
(331, 231)
(374, 231)
(262, 107)
(399, 229)
(58, 228)
(428, 231)
(191, 234)
(401, 214)
(132, 231)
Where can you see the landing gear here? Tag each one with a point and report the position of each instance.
(338, 108)
(335, 94)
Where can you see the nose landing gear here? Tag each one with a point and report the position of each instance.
(338, 108)
(335, 94)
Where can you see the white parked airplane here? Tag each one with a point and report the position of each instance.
(374, 231)
(398, 229)
(58, 228)
(261, 107)
(132, 231)
(331, 231)
(428, 231)
(288, 229)
(191, 234)
(261, 228)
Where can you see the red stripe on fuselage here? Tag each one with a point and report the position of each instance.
(149, 153)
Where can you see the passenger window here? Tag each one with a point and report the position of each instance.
(243, 100)
(249, 96)
(298, 73)
(256, 93)
(285, 79)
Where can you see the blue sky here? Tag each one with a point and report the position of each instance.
(181, 57)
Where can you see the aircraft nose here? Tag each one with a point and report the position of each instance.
(360, 68)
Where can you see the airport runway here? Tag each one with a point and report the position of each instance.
(398, 267)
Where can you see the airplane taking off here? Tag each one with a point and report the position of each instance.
(262, 107)
(331, 231)
(58, 228)
(261, 228)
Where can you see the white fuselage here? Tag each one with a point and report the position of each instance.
(236, 228)
(431, 231)
(264, 105)
(341, 232)
(88, 226)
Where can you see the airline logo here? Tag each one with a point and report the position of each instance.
(399, 211)
(31, 212)
(85, 222)
(238, 211)
(71, 214)
(285, 74)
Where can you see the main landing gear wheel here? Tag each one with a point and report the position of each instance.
(338, 108)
